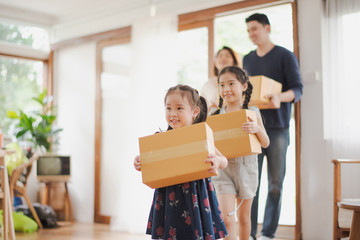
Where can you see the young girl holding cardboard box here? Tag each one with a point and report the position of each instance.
(190, 210)
(239, 180)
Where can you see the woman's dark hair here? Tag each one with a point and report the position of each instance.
(243, 78)
(233, 55)
(194, 99)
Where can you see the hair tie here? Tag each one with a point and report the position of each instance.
(197, 92)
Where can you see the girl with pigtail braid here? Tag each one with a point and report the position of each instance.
(236, 185)
(189, 210)
(247, 94)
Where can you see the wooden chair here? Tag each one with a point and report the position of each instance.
(342, 217)
(8, 225)
(18, 181)
(355, 224)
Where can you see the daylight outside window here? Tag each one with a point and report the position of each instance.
(20, 79)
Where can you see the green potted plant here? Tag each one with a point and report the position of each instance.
(37, 126)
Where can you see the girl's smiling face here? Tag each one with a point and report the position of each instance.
(179, 111)
(230, 88)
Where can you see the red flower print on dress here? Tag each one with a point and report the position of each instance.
(206, 202)
(208, 237)
(211, 186)
(207, 205)
(159, 197)
(187, 217)
(221, 234)
(173, 201)
(188, 220)
(160, 231)
(172, 196)
(185, 187)
(172, 232)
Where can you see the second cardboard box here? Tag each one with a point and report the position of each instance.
(263, 86)
(230, 139)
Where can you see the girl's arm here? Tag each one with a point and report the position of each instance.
(257, 127)
(137, 163)
(217, 160)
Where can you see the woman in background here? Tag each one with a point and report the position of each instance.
(224, 57)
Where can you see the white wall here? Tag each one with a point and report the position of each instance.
(75, 97)
(316, 167)
(121, 17)
(75, 89)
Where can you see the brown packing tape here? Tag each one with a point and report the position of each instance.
(229, 133)
(230, 140)
(177, 151)
(176, 156)
(170, 168)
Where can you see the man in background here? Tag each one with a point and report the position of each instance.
(280, 65)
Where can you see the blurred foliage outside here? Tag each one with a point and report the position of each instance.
(229, 30)
(30, 36)
(20, 79)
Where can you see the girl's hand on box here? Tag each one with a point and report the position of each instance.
(137, 163)
(217, 160)
(214, 163)
(251, 126)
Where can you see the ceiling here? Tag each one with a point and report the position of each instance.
(51, 12)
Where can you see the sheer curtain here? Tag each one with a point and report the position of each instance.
(341, 88)
(153, 63)
(341, 78)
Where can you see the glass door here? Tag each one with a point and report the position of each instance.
(231, 31)
(113, 83)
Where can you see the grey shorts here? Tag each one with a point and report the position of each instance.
(240, 177)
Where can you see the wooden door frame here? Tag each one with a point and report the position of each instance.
(98, 217)
(102, 39)
(205, 18)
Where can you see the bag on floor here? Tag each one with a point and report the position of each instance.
(45, 213)
(22, 223)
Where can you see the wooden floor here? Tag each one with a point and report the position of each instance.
(83, 231)
(80, 231)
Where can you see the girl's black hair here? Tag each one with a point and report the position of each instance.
(243, 78)
(194, 99)
(233, 55)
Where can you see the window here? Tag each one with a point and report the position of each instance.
(21, 75)
(193, 57)
(31, 36)
(341, 84)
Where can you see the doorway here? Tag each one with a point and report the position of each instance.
(229, 29)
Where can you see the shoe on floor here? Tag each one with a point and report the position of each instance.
(265, 238)
(252, 238)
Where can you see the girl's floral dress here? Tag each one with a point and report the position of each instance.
(187, 211)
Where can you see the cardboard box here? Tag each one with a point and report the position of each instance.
(263, 86)
(230, 139)
(176, 156)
